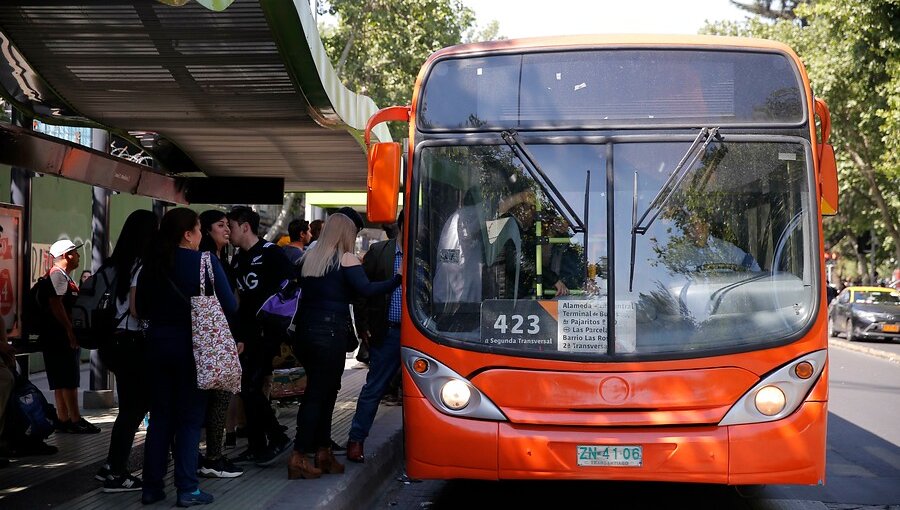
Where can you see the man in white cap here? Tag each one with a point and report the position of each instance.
(61, 351)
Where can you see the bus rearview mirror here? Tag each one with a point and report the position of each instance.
(829, 178)
(383, 182)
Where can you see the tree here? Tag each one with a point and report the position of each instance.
(378, 46)
(764, 8)
(851, 49)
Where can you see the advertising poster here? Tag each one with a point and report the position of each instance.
(11, 267)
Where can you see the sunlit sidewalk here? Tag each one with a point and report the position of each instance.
(66, 479)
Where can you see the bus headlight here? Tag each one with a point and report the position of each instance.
(447, 391)
(779, 393)
(455, 394)
(770, 400)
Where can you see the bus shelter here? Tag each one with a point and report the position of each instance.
(186, 103)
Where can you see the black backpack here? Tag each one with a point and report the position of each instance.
(35, 311)
(94, 317)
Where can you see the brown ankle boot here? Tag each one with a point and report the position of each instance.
(327, 463)
(301, 466)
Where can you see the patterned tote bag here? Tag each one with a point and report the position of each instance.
(215, 352)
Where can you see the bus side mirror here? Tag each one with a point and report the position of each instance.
(383, 182)
(828, 178)
(384, 167)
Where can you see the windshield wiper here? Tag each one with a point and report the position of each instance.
(534, 170)
(704, 137)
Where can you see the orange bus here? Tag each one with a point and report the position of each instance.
(613, 261)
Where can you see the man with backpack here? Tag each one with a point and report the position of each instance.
(260, 267)
(62, 354)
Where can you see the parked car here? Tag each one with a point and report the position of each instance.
(865, 313)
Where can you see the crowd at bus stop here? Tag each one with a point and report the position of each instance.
(160, 270)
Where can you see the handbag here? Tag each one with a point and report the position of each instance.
(215, 352)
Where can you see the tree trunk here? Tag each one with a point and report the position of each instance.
(862, 270)
(886, 213)
(345, 53)
(284, 217)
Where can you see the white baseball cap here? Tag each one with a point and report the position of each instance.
(63, 246)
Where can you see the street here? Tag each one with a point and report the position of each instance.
(863, 462)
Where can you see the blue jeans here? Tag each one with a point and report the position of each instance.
(384, 361)
(177, 410)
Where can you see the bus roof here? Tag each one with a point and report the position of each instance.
(617, 40)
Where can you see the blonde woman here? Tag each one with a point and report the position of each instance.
(331, 277)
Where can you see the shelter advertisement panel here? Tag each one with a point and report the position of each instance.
(11, 268)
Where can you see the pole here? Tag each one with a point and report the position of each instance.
(100, 395)
(20, 194)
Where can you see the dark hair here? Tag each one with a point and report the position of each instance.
(354, 216)
(315, 228)
(139, 229)
(246, 215)
(297, 227)
(171, 230)
(207, 220)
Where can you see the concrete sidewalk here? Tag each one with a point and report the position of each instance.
(65, 480)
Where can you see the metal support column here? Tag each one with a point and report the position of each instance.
(20, 194)
(100, 395)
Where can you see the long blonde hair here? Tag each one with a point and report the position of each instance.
(337, 238)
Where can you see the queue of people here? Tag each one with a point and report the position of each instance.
(157, 264)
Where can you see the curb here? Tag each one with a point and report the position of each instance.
(878, 353)
(384, 456)
(361, 484)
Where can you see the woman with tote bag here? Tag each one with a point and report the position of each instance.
(170, 278)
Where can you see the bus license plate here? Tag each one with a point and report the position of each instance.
(891, 328)
(605, 455)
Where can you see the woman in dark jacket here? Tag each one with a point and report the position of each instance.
(331, 277)
(177, 407)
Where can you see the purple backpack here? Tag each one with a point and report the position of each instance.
(276, 315)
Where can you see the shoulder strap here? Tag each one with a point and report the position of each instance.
(206, 271)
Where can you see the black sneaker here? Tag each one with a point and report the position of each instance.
(220, 468)
(275, 450)
(124, 483)
(248, 456)
(35, 448)
(103, 474)
(83, 426)
(338, 449)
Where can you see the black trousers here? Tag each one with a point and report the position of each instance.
(125, 356)
(322, 342)
(256, 365)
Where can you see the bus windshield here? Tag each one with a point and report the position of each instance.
(611, 87)
(727, 264)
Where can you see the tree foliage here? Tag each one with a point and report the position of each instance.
(378, 46)
(851, 50)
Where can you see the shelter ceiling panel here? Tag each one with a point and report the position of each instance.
(213, 83)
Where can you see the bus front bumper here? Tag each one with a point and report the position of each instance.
(787, 451)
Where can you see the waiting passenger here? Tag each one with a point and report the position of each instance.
(177, 407)
(331, 277)
(125, 352)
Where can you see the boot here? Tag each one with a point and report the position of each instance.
(301, 466)
(327, 463)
